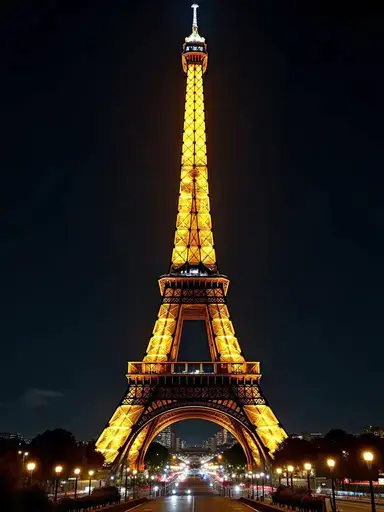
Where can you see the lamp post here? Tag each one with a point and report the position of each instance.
(126, 483)
(58, 470)
(257, 486)
(252, 493)
(31, 466)
(279, 472)
(368, 458)
(77, 473)
(290, 469)
(90, 474)
(331, 464)
(262, 485)
(134, 472)
(150, 484)
(308, 467)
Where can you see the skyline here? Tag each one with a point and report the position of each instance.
(80, 223)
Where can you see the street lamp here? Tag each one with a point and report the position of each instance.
(368, 458)
(90, 474)
(331, 464)
(58, 470)
(308, 467)
(77, 473)
(262, 484)
(134, 472)
(257, 486)
(290, 470)
(279, 472)
(31, 466)
(127, 470)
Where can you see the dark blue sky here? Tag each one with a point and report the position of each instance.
(92, 103)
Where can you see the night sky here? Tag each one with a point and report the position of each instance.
(92, 103)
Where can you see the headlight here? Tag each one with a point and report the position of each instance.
(189, 491)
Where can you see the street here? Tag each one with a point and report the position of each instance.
(355, 506)
(195, 495)
(201, 499)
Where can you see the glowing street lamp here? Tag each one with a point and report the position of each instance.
(31, 466)
(77, 473)
(290, 470)
(58, 471)
(331, 463)
(257, 486)
(262, 476)
(368, 459)
(90, 474)
(279, 471)
(308, 467)
(134, 473)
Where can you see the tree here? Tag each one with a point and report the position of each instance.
(54, 447)
(235, 456)
(157, 455)
(295, 451)
(59, 446)
(89, 456)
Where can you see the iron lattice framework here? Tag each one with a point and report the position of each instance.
(162, 390)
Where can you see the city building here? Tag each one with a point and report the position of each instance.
(165, 438)
(307, 436)
(180, 444)
(224, 439)
(377, 431)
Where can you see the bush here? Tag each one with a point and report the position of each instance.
(30, 500)
(102, 496)
(297, 499)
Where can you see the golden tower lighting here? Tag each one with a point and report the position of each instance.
(193, 289)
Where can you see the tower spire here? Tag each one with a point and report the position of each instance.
(194, 22)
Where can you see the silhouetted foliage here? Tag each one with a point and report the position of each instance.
(235, 455)
(30, 500)
(157, 455)
(59, 446)
(345, 448)
(297, 499)
(54, 447)
(100, 497)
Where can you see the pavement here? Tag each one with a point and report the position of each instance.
(201, 499)
(343, 505)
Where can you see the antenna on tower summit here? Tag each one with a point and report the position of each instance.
(194, 21)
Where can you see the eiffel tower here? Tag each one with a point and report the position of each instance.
(161, 389)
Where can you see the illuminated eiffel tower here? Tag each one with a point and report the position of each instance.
(161, 389)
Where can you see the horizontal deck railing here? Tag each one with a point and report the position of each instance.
(193, 368)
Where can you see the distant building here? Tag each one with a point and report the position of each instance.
(17, 437)
(212, 444)
(307, 436)
(165, 438)
(10, 442)
(376, 431)
(224, 439)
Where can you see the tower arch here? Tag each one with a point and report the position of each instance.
(135, 455)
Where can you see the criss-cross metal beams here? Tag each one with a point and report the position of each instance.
(193, 289)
